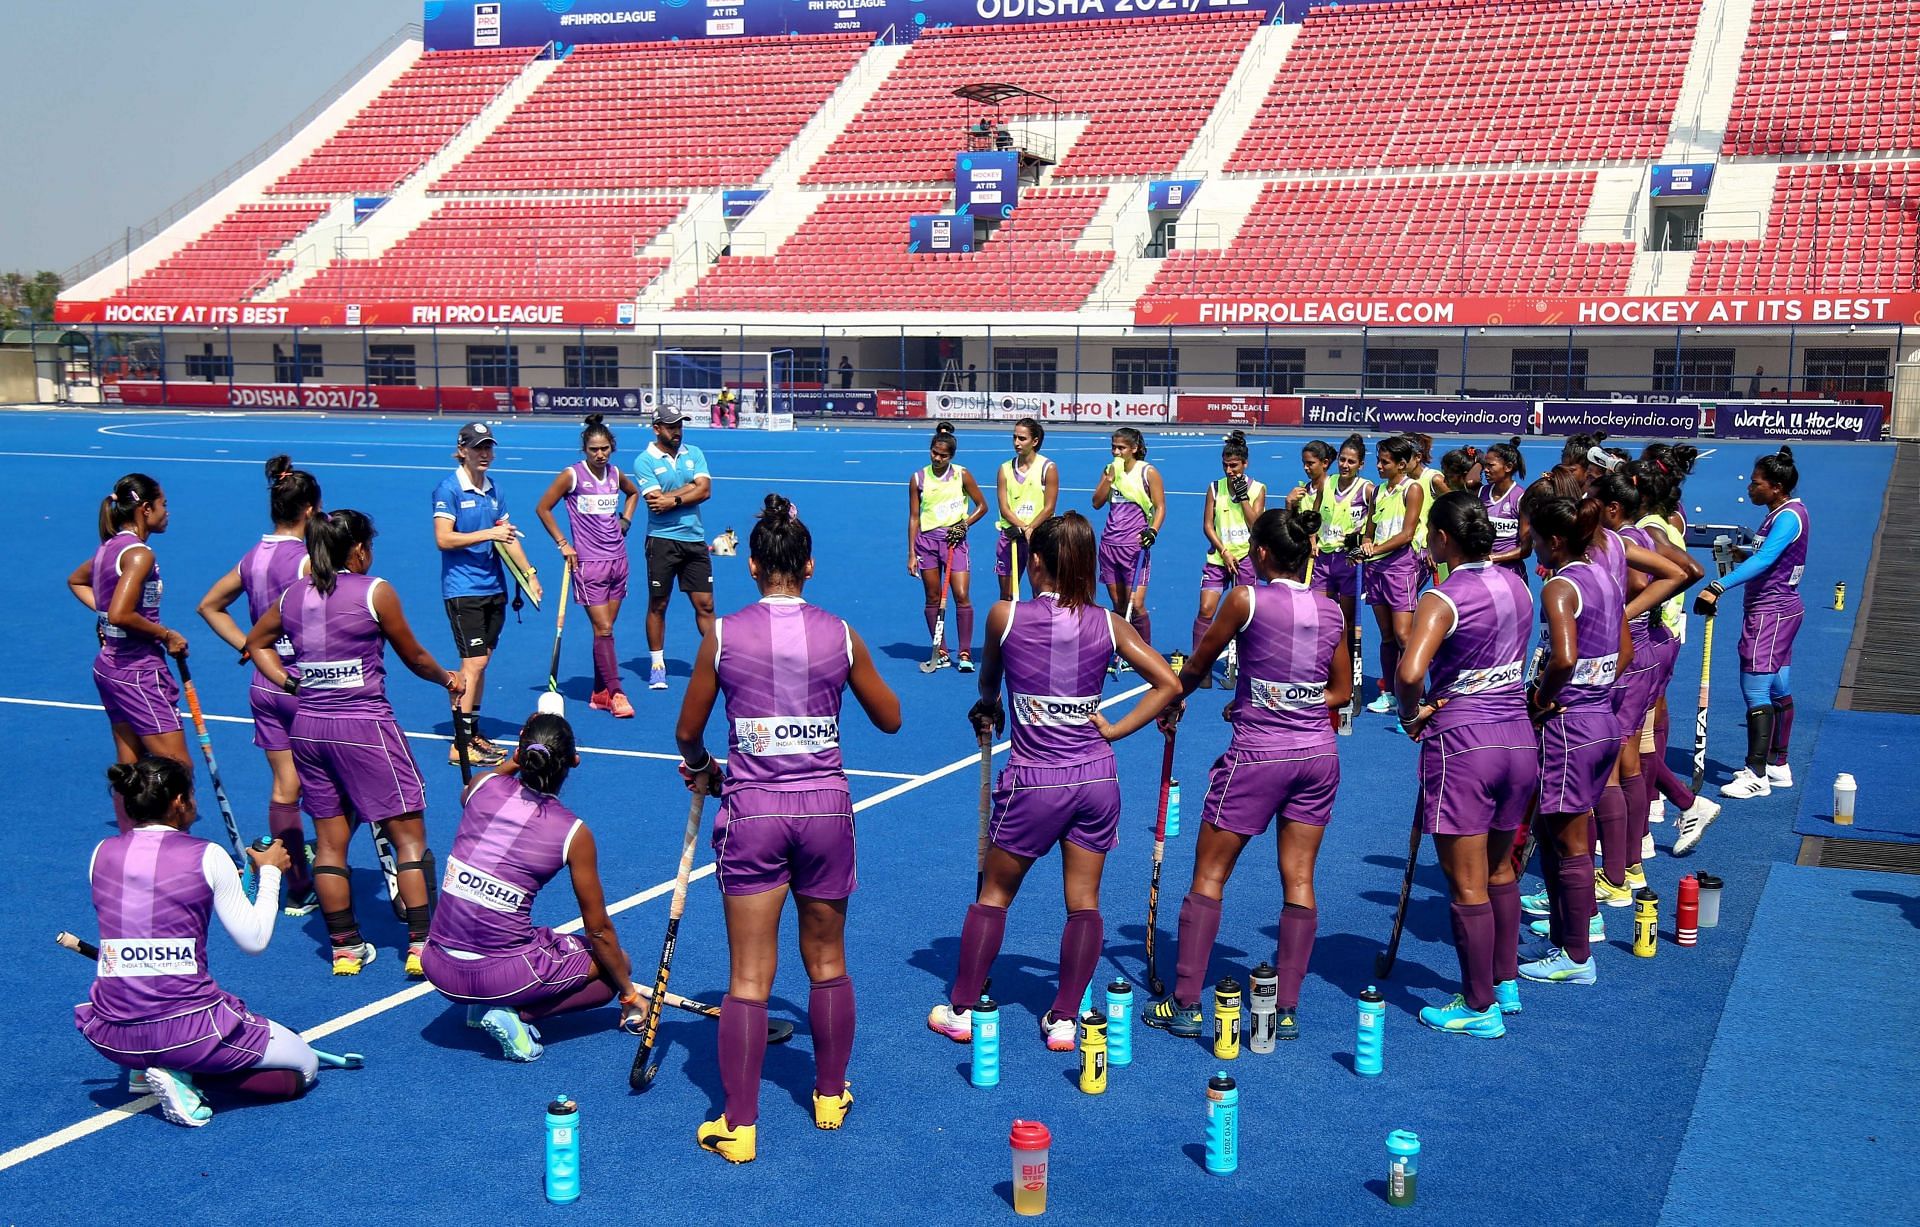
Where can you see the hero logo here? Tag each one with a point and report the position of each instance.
(766, 736)
(1287, 696)
(127, 958)
(332, 674)
(463, 881)
(1054, 710)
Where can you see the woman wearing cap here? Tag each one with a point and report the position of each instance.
(471, 529)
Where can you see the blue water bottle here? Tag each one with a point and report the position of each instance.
(1119, 1023)
(1403, 1166)
(1223, 1125)
(1086, 998)
(563, 1151)
(986, 1043)
(1373, 1022)
(249, 880)
(1173, 809)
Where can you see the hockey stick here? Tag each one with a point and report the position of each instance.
(1723, 562)
(645, 1068)
(1159, 851)
(986, 808)
(213, 768)
(1133, 585)
(932, 663)
(1383, 962)
(551, 702)
(520, 577)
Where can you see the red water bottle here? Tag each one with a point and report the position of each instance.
(1686, 918)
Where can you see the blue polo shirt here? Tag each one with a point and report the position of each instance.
(655, 470)
(472, 570)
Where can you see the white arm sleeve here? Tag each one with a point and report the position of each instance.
(249, 924)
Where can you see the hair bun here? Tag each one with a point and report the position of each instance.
(1308, 522)
(121, 776)
(942, 427)
(277, 469)
(776, 509)
(1236, 436)
(1785, 452)
(596, 419)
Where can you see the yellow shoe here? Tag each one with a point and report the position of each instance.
(348, 960)
(1609, 894)
(415, 971)
(830, 1111)
(1636, 877)
(734, 1143)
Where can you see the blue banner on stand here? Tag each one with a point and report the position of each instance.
(940, 232)
(1686, 179)
(585, 400)
(365, 207)
(736, 204)
(1170, 195)
(986, 184)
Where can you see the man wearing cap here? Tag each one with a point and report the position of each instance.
(672, 477)
(469, 520)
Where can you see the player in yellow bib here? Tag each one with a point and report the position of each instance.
(1335, 489)
(1423, 471)
(1392, 577)
(1233, 504)
(1136, 502)
(943, 502)
(1026, 489)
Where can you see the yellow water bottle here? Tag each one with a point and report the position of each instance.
(1226, 1019)
(1840, 596)
(1093, 1052)
(1646, 922)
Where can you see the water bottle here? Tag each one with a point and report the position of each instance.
(1646, 922)
(1368, 1048)
(1686, 912)
(1840, 596)
(1223, 1124)
(1173, 808)
(1709, 900)
(563, 1151)
(1093, 1053)
(1403, 1166)
(1226, 1019)
(1263, 1015)
(250, 880)
(1119, 1023)
(1086, 998)
(1845, 790)
(986, 1043)
(1030, 1141)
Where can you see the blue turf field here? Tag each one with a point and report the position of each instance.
(1577, 1116)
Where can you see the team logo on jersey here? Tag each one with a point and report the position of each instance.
(463, 881)
(1054, 710)
(133, 958)
(765, 736)
(1286, 696)
(150, 593)
(597, 504)
(332, 674)
(1479, 681)
(1596, 670)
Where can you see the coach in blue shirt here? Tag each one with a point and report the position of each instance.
(672, 477)
(471, 528)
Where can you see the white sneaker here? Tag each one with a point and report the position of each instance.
(1694, 823)
(1779, 775)
(180, 1100)
(1647, 852)
(1746, 784)
(956, 1025)
(1657, 811)
(1058, 1032)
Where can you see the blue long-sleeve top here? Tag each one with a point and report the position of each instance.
(1785, 531)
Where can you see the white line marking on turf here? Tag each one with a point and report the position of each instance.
(607, 750)
(113, 1116)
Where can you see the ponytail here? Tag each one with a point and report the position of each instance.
(331, 537)
(127, 496)
(1287, 537)
(1128, 435)
(1064, 543)
(1463, 518)
(546, 753)
(1575, 523)
(1320, 450)
(291, 493)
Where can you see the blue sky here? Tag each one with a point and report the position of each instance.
(114, 109)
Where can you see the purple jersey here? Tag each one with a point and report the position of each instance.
(1778, 587)
(782, 665)
(1056, 663)
(593, 512)
(265, 572)
(1596, 633)
(1503, 510)
(1479, 667)
(150, 890)
(1632, 534)
(340, 646)
(512, 841)
(121, 648)
(1286, 649)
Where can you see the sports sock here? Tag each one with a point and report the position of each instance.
(1199, 926)
(1200, 625)
(743, 1053)
(1297, 926)
(830, 1016)
(257, 1083)
(1473, 942)
(932, 612)
(658, 658)
(342, 928)
(1504, 898)
(1142, 623)
(589, 996)
(283, 821)
(1079, 954)
(1671, 785)
(1389, 662)
(980, 937)
(120, 818)
(1550, 877)
(963, 621)
(418, 921)
(1638, 791)
(1610, 819)
(606, 665)
(1574, 905)
(1759, 738)
(1782, 730)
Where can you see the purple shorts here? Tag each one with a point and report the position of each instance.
(1118, 552)
(1476, 778)
(1577, 749)
(1334, 575)
(1634, 693)
(930, 552)
(550, 965)
(222, 1038)
(1667, 653)
(357, 765)
(1393, 580)
(1213, 576)
(1766, 638)
(768, 837)
(273, 710)
(1035, 808)
(147, 699)
(1247, 789)
(600, 582)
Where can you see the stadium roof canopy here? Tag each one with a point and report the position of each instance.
(993, 93)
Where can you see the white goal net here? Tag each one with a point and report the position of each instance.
(723, 387)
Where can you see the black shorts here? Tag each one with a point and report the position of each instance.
(476, 622)
(686, 560)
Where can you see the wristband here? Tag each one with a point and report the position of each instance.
(291, 685)
(1717, 588)
(631, 998)
(706, 763)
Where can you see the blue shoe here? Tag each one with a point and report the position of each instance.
(657, 679)
(1596, 928)
(179, 1098)
(518, 1041)
(1557, 968)
(1458, 1018)
(1381, 705)
(1506, 996)
(1170, 1016)
(1536, 905)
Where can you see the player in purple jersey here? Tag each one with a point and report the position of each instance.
(785, 824)
(594, 490)
(484, 949)
(121, 584)
(1136, 502)
(1393, 572)
(1770, 619)
(1505, 468)
(1294, 670)
(154, 1006)
(352, 758)
(943, 502)
(262, 574)
(1460, 690)
(1060, 786)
